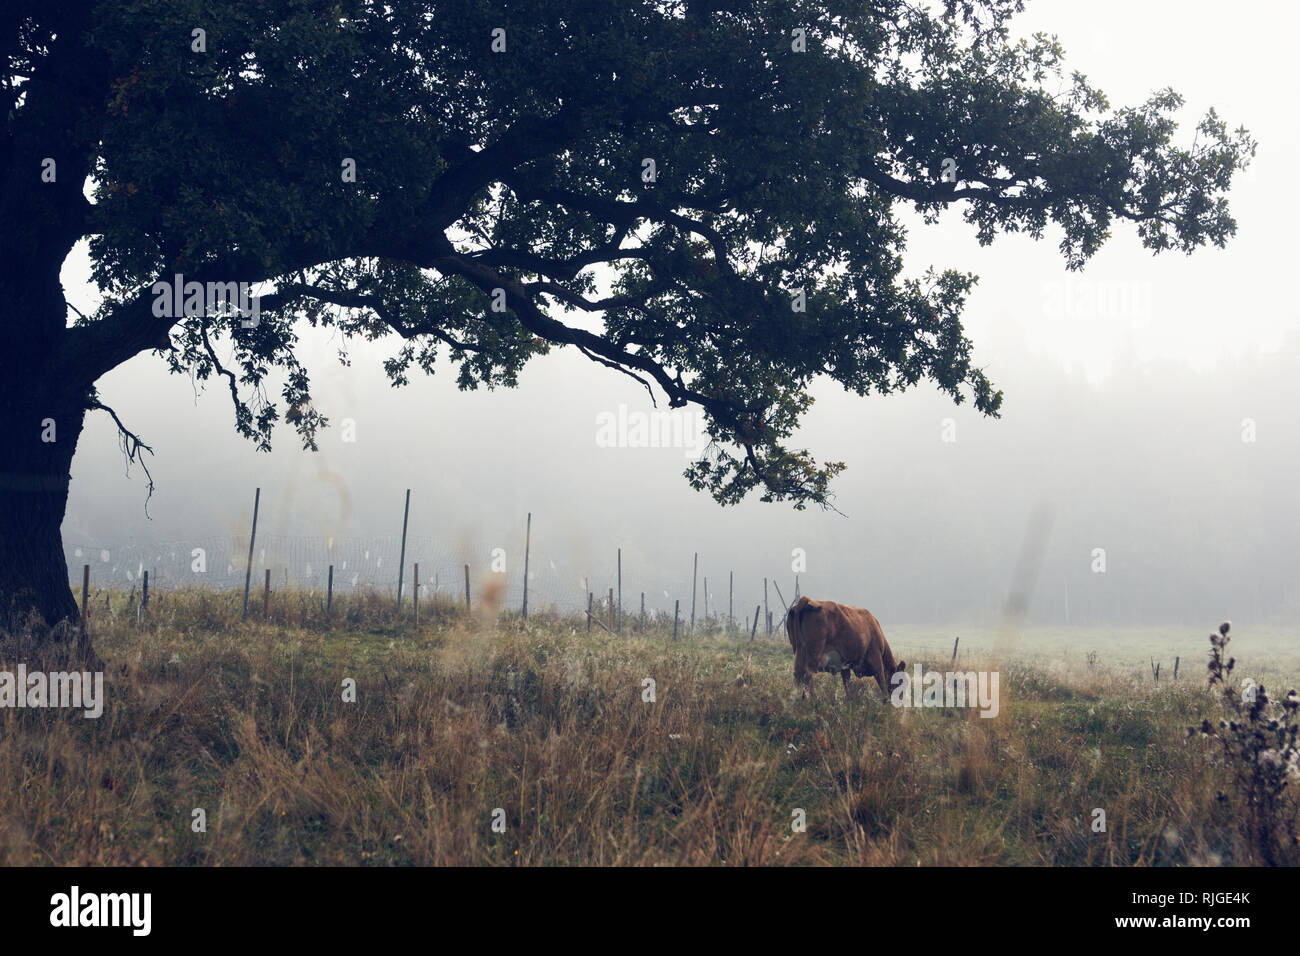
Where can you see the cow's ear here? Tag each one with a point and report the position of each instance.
(900, 667)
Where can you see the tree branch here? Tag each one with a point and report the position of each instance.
(132, 447)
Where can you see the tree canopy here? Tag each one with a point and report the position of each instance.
(702, 196)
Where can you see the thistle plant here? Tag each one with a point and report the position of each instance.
(1259, 740)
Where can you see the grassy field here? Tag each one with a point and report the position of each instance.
(543, 730)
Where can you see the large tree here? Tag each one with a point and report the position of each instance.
(702, 196)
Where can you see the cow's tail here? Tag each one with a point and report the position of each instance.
(792, 616)
(794, 628)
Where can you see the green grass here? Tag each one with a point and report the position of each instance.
(544, 726)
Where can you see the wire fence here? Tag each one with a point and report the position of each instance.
(370, 564)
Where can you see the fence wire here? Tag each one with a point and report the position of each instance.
(370, 564)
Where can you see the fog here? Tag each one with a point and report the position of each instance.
(1151, 419)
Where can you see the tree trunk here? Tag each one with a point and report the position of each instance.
(42, 421)
(43, 398)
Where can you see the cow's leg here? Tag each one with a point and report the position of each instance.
(844, 674)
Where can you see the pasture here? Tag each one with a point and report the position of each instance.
(476, 742)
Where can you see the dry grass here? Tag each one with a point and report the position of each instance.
(460, 717)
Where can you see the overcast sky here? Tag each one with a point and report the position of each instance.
(478, 462)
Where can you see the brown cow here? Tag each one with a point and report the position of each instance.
(826, 636)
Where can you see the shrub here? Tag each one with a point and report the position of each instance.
(1259, 740)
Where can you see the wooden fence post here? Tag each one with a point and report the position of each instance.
(588, 612)
(467, 604)
(329, 594)
(766, 614)
(780, 595)
(528, 540)
(695, 576)
(266, 596)
(144, 592)
(415, 593)
(248, 571)
(643, 610)
(401, 558)
(676, 613)
(754, 630)
(954, 647)
(85, 597)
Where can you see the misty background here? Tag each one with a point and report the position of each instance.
(1151, 410)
